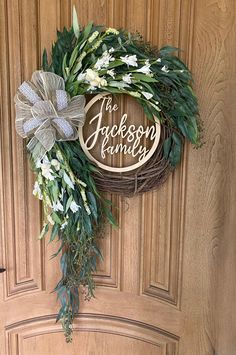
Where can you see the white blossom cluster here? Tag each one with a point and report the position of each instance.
(50, 171)
(102, 74)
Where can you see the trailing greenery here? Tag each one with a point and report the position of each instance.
(76, 211)
(92, 60)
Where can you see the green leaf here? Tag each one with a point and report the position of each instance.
(56, 218)
(115, 63)
(112, 90)
(94, 169)
(167, 50)
(110, 217)
(68, 180)
(98, 252)
(166, 146)
(73, 57)
(192, 130)
(147, 109)
(54, 232)
(175, 153)
(176, 138)
(93, 204)
(57, 252)
(63, 263)
(64, 66)
(143, 77)
(87, 224)
(75, 23)
(55, 191)
(87, 30)
(77, 67)
(149, 88)
(68, 203)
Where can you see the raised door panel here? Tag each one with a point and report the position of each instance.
(103, 335)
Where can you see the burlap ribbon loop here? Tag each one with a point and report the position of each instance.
(45, 113)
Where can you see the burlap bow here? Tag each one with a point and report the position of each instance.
(45, 113)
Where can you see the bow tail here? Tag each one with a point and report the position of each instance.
(41, 143)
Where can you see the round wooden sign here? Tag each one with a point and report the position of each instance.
(137, 142)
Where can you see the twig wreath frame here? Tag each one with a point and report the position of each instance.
(50, 109)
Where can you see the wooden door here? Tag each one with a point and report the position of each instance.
(167, 283)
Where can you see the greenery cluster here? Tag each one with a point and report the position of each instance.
(94, 59)
(160, 81)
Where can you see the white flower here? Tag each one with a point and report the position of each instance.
(37, 191)
(93, 78)
(41, 162)
(165, 69)
(127, 78)
(98, 82)
(38, 164)
(91, 88)
(46, 170)
(159, 60)
(145, 69)
(45, 166)
(74, 207)
(64, 225)
(93, 36)
(111, 72)
(50, 220)
(91, 75)
(56, 164)
(57, 206)
(112, 30)
(103, 82)
(104, 61)
(147, 95)
(130, 60)
(111, 50)
(46, 160)
(81, 76)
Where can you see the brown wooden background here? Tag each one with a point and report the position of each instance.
(167, 284)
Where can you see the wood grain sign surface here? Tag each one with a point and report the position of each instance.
(167, 282)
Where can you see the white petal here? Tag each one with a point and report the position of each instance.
(147, 95)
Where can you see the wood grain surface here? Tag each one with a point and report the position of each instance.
(167, 284)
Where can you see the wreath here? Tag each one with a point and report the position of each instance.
(50, 108)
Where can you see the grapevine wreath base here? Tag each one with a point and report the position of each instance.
(50, 111)
(146, 178)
